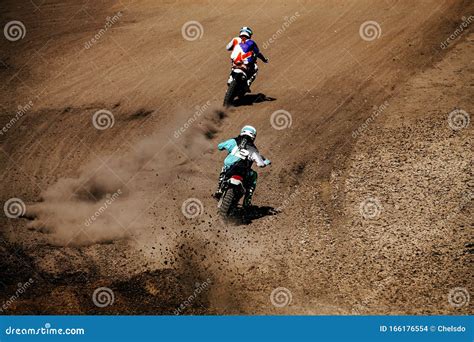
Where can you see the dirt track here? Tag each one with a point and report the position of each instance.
(407, 159)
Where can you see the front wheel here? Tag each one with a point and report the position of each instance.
(230, 94)
(226, 202)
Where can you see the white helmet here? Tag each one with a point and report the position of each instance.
(246, 31)
(249, 131)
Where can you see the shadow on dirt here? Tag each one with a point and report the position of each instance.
(250, 99)
(247, 216)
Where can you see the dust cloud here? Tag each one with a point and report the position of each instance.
(102, 204)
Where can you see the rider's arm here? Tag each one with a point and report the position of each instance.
(259, 159)
(231, 44)
(262, 57)
(257, 53)
(228, 145)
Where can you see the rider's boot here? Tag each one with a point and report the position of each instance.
(252, 77)
(218, 193)
(251, 185)
(248, 198)
(249, 83)
(250, 80)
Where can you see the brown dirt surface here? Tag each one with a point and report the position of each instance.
(366, 208)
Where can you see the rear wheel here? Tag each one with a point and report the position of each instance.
(230, 94)
(226, 203)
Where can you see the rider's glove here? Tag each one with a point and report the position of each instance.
(265, 60)
(267, 162)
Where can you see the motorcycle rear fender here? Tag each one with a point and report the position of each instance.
(237, 181)
(239, 72)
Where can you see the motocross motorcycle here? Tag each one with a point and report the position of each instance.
(233, 189)
(238, 86)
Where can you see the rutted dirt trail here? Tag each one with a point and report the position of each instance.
(371, 185)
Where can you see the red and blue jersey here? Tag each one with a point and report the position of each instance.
(244, 50)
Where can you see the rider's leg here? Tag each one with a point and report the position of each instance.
(251, 185)
(229, 80)
(218, 193)
(253, 74)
